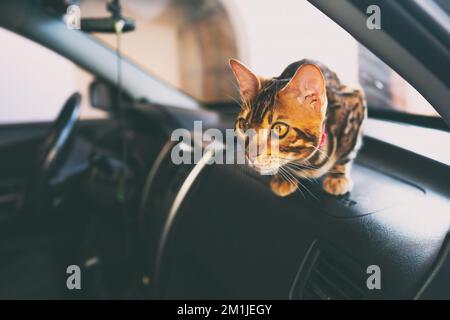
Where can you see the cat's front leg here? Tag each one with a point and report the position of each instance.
(337, 181)
(281, 187)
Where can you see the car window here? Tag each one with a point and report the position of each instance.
(35, 82)
(188, 44)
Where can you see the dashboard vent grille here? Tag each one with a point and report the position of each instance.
(327, 274)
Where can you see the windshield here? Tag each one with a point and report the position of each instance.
(188, 44)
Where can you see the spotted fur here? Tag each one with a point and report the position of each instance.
(301, 152)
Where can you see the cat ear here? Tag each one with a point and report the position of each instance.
(308, 82)
(249, 83)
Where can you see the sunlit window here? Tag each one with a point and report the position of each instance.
(188, 44)
(35, 82)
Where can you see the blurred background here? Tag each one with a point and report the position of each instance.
(187, 43)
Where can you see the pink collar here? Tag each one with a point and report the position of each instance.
(324, 136)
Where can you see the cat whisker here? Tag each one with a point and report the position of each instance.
(323, 153)
(235, 100)
(244, 103)
(307, 165)
(300, 173)
(300, 165)
(288, 160)
(299, 183)
(234, 84)
(329, 170)
(303, 166)
(286, 177)
(292, 179)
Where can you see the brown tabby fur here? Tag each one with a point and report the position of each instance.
(301, 153)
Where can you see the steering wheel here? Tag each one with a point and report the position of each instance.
(51, 153)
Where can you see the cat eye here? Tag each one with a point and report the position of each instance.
(280, 129)
(243, 124)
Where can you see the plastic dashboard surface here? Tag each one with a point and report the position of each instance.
(373, 191)
(232, 238)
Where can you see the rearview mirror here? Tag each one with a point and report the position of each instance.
(102, 96)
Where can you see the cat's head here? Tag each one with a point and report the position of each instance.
(284, 116)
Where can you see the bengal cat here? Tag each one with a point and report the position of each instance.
(317, 122)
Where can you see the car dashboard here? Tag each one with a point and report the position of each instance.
(218, 231)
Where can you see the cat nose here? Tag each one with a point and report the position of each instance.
(259, 152)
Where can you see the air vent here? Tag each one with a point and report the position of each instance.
(327, 274)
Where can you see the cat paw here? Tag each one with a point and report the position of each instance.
(281, 187)
(337, 186)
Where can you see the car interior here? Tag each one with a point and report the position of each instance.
(105, 195)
